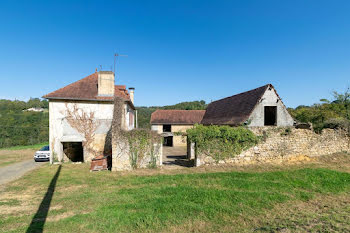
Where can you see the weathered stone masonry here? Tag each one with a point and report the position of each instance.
(279, 146)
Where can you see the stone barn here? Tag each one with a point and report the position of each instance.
(171, 124)
(81, 114)
(258, 107)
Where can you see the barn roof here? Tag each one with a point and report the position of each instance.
(86, 89)
(233, 110)
(186, 117)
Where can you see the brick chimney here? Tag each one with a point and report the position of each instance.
(105, 83)
(132, 91)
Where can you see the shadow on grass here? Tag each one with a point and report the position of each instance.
(38, 221)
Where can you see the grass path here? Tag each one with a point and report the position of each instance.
(291, 199)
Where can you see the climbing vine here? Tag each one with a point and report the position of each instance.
(140, 143)
(85, 123)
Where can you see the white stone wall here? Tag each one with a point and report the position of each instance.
(157, 128)
(129, 111)
(270, 99)
(60, 130)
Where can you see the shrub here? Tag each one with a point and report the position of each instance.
(221, 142)
(336, 123)
(141, 145)
(286, 132)
(333, 123)
(139, 142)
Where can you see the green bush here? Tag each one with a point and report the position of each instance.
(221, 142)
(336, 123)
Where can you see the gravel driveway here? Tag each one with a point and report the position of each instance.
(14, 171)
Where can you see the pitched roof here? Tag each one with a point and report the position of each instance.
(233, 110)
(86, 89)
(186, 117)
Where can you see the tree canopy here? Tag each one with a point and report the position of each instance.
(21, 127)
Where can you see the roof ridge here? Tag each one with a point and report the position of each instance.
(179, 110)
(242, 93)
(80, 80)
(87, 89)
(235, 109)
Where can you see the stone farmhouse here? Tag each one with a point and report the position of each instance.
(81, 114)
(171, 124)
(258, 107)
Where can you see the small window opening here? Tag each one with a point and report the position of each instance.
(166, 128)
(270, 115)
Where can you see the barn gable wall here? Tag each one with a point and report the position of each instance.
(270, 98)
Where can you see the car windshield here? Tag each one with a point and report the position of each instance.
(45, 148)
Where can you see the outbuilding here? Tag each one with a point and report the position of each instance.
(258, 107)
(172, 124)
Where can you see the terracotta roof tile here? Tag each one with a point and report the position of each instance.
(177, 116)
(86, 89)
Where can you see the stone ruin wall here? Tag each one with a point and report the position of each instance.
(279, 146)
(121, 156)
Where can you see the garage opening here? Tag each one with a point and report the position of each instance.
(270, 115)
(168, 141)
(74, 151)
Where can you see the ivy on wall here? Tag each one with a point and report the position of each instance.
(221, 142)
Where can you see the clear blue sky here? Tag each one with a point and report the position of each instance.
(178, 50)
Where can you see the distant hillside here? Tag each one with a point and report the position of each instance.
(144, 113)
(21, 127)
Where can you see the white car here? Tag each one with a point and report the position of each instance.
(43, 154)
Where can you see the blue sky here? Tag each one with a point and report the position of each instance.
(178, 50)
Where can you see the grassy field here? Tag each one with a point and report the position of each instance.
(18, 153)
(69, 198)
(28, 147)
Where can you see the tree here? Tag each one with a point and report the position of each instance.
(344, 99)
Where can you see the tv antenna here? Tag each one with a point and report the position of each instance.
(116, 55)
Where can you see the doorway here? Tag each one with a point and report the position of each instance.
(270, 115)
(74, 151)
(168, 141)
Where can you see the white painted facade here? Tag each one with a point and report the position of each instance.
(61, 131)
(270, 98)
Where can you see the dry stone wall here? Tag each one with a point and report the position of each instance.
(287, 144)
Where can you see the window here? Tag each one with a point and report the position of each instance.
(45, 148)
(166, 128)
(131, 118)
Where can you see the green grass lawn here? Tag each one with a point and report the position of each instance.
(16, 154)
(31, 147)
(223, 201)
